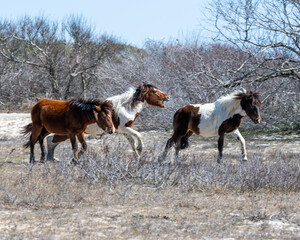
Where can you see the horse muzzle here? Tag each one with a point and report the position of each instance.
(165, 100)
(257, 121)
(109, 130)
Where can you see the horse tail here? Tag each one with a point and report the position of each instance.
(25, 132)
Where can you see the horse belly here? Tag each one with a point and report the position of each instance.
(208, 129)
(57, 129)
(54, 124)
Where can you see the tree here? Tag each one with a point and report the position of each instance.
(63, 57)
(267, 31)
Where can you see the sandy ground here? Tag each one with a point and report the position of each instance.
(151, 213)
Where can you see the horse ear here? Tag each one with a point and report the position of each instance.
(98, 108)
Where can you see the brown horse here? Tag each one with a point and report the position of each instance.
(69, 118)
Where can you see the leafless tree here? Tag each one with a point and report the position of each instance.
(64, 57)
(267, 31)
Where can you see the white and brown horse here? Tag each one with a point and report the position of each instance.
(214, 119)
(127, 107)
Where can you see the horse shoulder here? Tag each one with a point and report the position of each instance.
(127, 116)
(230, 124)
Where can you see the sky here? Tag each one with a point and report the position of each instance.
(131, 21)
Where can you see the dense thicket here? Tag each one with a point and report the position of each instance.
(40, 58)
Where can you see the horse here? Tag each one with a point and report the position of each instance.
(214, 119)
(66, 118)
(127, 107)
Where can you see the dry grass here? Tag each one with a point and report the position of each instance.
(109, 195)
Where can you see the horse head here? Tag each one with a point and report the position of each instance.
(251, 104)
(151, 94)
(103, 114)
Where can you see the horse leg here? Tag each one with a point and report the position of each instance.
(35, 133)
(81, 139)
(220, 147)
(43, 134)
(239, 137)
(74, 147)
(166, 150)
(131, 141)
(52, 143)
(138, 136)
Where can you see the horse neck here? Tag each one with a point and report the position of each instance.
(231, 106)
(89, 120)
(124, 100)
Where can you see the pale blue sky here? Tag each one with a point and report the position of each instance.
(132, 21)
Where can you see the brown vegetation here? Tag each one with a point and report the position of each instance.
(111, 195)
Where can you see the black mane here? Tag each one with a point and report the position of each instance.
(85, 107)
(255, 97)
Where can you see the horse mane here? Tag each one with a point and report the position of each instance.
(254, 96)
(85, 107)
(130, 99)
(231, 101)
(140, 93)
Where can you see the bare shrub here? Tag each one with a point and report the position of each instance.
(62, 183)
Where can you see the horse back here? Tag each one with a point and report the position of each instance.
(56, 116)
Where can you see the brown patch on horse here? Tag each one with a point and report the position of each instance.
(186, 122)
(187, 118)
(150, 94)
(130, 123)
(250, 103)
(230, 124)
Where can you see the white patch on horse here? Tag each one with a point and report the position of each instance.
(214, 114)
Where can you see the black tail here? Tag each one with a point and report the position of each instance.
(25, 132)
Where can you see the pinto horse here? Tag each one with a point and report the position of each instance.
(66, 118)
(127, 107)
(214, 119)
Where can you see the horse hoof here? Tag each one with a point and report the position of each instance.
(140, 146)
(220, 161)
(52, 159)
(75, 162)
